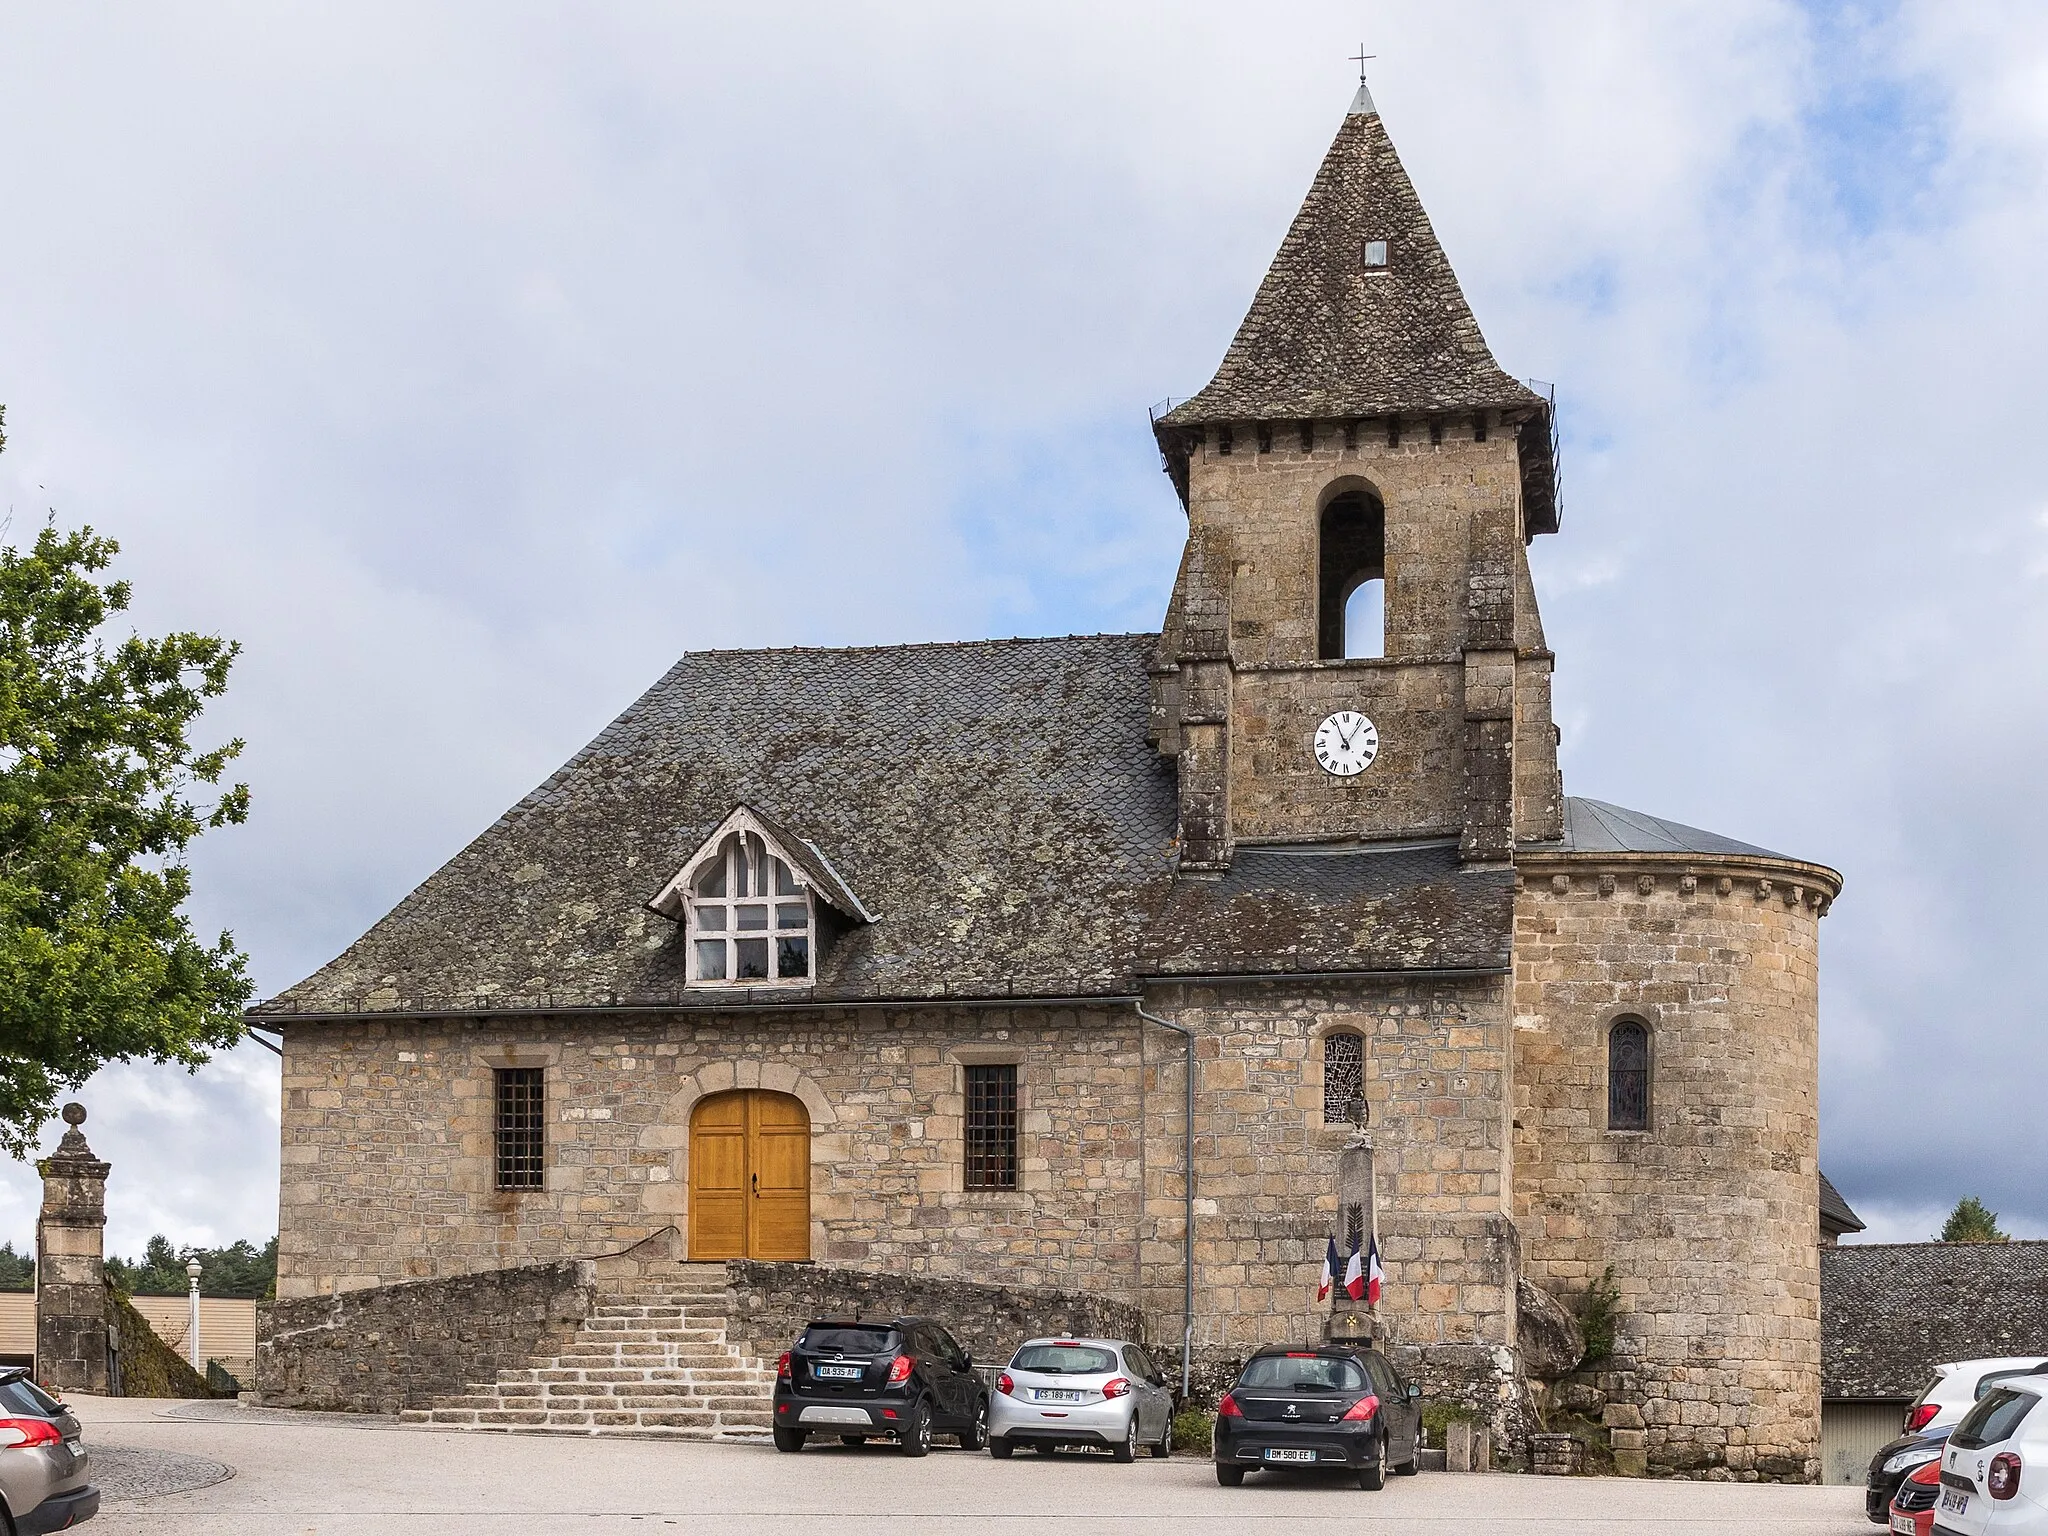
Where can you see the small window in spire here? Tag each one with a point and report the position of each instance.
(1375, 253)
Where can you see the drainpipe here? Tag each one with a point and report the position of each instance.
(1187, 1337)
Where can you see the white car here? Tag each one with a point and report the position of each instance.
(1957, 1387)
(1081, 1392)
(1994, 1471)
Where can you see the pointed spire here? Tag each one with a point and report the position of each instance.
(1360, 313)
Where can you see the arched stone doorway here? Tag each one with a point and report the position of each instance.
(750, 1176)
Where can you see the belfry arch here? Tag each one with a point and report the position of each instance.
(1351, 544)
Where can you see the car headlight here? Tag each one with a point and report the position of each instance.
(1906, 1461)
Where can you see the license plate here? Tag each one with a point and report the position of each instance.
(1954, 1502)
(839, 1372)
(1060, 1395)
(1903, 1525)
(1280, 1455)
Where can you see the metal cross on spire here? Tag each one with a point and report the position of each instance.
(1359, 59)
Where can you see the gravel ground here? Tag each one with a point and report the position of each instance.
(328, 1475)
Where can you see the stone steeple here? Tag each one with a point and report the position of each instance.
(1361, 480)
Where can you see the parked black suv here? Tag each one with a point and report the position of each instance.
(1334, 1406)
(904, 1380)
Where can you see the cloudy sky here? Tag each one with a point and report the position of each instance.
(467, 363)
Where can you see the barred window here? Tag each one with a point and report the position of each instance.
(521, 1122)
(1343, 1073)
(1628, 1076)
(992, 1127)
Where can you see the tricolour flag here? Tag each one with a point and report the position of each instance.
(1329, 1272)
(1373, 1274)
(1354, 1277)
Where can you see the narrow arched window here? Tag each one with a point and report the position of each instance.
(1351, 578)
(1628, 1076)
(1343, 1074)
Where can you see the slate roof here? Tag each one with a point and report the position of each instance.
(1835, 1215)
(1594, 826)
(1891, 1312)
(1326, 337)
(996, 805)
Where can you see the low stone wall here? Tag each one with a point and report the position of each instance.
(771, 1303)
(389, 1347)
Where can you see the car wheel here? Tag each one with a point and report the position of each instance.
(790, 1439)
(1373, 1475)
(1409, 1467)
(976, 1435)
(1165, 1446)
(1000, 1448)
(1126, 1450)
(1229, 1477)
(917, 1434)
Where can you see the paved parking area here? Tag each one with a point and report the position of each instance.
(311, 1476)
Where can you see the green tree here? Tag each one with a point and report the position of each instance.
(240, 1269)
(17, 1270)
(1971, 1222)
(99, 792)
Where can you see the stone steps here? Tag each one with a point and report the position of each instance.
(651, 1361)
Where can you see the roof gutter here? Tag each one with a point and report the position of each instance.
(1417, 973)
(1187, 1179)
(272, 1019)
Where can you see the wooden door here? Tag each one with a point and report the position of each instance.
(750, 1177)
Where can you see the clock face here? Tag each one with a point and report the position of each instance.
(1346, 743)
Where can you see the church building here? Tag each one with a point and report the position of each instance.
(1078, 962)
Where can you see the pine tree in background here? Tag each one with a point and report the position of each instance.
(240, 1269)
(17, 1270)
(1971, 1222)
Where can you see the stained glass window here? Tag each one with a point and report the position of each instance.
(1343, 1073)
(1628, 1076)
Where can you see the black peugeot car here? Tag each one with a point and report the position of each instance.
(903, 1380)
(1334, 1406)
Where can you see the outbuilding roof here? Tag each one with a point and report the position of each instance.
(1835, 1215)
(1891, 1312)
(1594, 826)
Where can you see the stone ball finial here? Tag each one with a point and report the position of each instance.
(74, 1113)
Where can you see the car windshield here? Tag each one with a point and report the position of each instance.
(840, 1339)
(1304, 1373)
(21, 1395)
(1063, 1360)
(1996, 1417)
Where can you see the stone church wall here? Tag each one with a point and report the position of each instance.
(1709, 1218)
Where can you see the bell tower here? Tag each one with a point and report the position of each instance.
(1361, 481)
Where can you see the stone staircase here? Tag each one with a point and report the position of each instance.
(650, 1361)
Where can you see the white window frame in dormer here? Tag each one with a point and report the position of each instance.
(747, 864)
(751, 921)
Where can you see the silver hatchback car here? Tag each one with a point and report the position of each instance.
(1081, 1392)
(42, 1465)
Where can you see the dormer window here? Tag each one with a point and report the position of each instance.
(758, 905)
(1375, 254)
(749, 917)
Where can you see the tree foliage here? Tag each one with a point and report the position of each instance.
(17, 1270)
(1971, 1222)
(99, 801)
(240, 1269)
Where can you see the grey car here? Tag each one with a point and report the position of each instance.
(42, 1465)
(1081, 1392)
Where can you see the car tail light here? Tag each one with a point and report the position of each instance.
(1919, 1415)
(899, 1370)
(782, 1366)
(1364, 1408)
(1116, 1386)
(2003, 1481)
(1006, 1385)
(1226, 1407)
(22, 1432)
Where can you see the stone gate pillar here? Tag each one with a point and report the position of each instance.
(71, 1281)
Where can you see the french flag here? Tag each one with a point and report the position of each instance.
(1373, 1274)
(1329, 1272)
(1354, 1277)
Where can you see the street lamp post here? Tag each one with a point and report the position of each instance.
(192, 1332)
